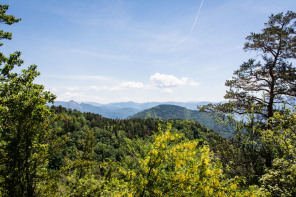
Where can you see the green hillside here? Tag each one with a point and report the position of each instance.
(109, 135)
(166, 112)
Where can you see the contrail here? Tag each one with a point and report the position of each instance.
(192, 28)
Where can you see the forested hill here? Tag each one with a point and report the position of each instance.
(166, 112)
(110, 135)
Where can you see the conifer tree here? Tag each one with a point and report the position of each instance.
(273, 81)
(269, 82)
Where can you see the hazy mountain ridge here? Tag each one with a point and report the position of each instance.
(147, 105)
(121, 110)
(106, 111)
(166, 112)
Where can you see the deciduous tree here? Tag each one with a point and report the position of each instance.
(175, 167)
(24, 118)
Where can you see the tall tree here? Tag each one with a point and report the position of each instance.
(23, 123)
(271, 82)
(259, 87)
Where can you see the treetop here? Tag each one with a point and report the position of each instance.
(8, 20)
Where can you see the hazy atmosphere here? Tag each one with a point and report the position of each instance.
(111, 51)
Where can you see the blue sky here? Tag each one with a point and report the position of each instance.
(137, 50)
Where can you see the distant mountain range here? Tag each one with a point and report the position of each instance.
(176, 112)
(147, 105)
(121, 110)
(161, 110)
(104, 110)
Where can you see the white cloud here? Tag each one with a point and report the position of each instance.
(131, 84)
(167, 81)
(127, 85)
(170, 81)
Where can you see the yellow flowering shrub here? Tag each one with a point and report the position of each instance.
(176, 167)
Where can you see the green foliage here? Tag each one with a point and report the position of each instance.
(281, 137)
(174, 167)
(24, 118)
(81, 174)
(124, 141)
(263, 154)
(110, 135)
(8, 20)
(280, 178)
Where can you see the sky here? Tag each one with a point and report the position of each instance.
(108, 51)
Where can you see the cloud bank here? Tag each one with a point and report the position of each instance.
(170, 81)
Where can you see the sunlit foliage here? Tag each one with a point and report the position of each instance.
(178, 167)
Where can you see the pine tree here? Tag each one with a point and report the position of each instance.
(273, 81)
